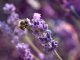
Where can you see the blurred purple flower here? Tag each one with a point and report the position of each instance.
(15, 39)
(41, 56)
(13, 19)
(24, 51)
(19, 32)
(36, 16)
(5, 28)
(9, 8)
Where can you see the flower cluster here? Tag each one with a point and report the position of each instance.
(15, 32)
(40, 30)
(9, 8)
(13, 16)
(37, 26)
(5, 28)
(24, 51)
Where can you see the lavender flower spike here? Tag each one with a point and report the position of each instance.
(9, 8)
(40, 30)
(24, 51)
(13, 19)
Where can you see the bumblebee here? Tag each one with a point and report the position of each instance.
(22, 24)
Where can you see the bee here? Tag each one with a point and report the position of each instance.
(22, 24)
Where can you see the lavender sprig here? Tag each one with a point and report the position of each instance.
(44, 34)
(38, 27)
(40, 30)
(9, 8)
(13, 16)
(23, 50)
(5, 28)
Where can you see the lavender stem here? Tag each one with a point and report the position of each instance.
(57, 54)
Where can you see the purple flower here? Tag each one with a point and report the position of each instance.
(13, 19)
(54, 44)
(9, 8)
(41, 56)
(36, 16)
(39, 25)
(40, 30)
(5, 28)
(19, 32)
(45, 38)
(50, 46)
(15, 39)
(16, 33)
(47, 33)
(24, 51)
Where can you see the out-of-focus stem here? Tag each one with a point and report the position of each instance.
(32, 45)
(36, 58)
(57, 54)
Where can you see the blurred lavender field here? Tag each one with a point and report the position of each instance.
(39, 29)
